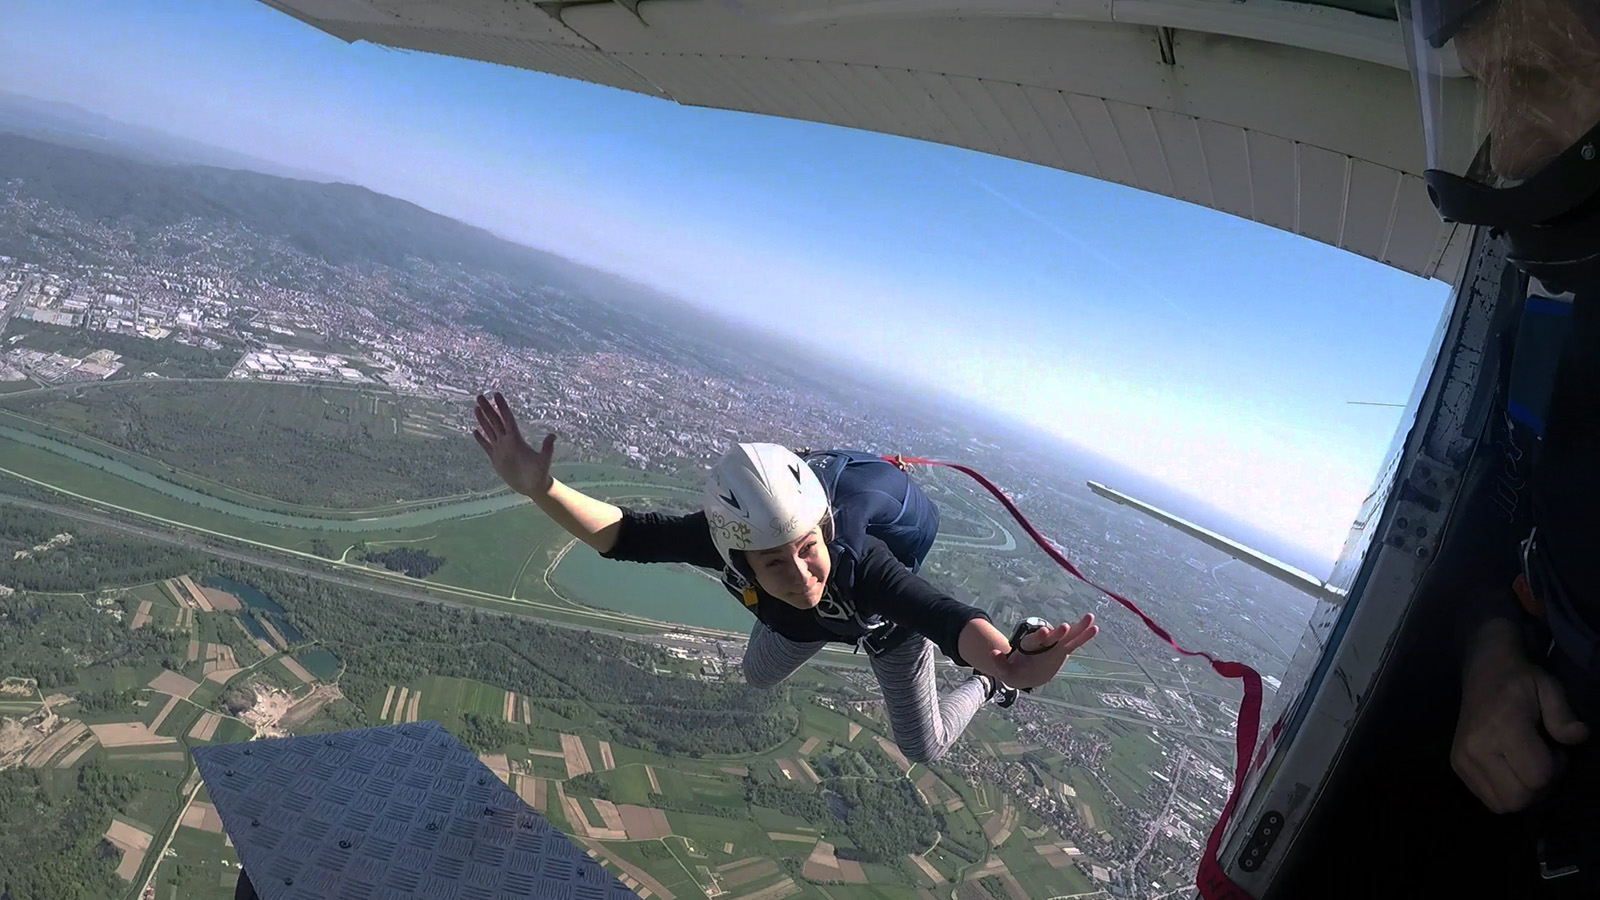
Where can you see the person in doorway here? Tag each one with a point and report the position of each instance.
(1510, 96)
(812, 574)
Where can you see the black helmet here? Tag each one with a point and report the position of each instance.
(1510, 98)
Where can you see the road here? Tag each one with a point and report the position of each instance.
(376, 585)
(1159, 820)
(154, 861)
(400, 591)
(831, 656)
(7, 309)
(1103, 712)
(78, 386)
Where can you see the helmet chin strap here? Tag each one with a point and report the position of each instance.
(1564, 253)
(1551, 221)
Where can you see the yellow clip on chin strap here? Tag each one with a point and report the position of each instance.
(749, 597)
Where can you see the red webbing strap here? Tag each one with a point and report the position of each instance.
(1211, 881)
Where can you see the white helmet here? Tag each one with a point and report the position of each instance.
(760, 496)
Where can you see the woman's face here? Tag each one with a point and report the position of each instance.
(796, 572)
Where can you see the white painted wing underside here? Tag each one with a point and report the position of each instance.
(1297, 116)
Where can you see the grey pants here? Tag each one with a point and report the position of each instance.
(924, 723)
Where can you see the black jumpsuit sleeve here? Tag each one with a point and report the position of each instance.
(910, 601)
(651, 537)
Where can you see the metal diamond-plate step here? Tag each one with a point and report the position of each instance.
(386, 813)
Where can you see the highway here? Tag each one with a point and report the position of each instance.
(833, 655)
(376, 585)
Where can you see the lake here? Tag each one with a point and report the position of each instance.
(320, 663)
(668, 592)
(259, 603)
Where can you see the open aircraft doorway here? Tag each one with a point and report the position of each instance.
(525, 635)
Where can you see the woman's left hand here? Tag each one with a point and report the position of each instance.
(1025, 670)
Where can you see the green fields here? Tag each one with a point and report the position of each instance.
(119, 678)
(156, 594)
(352, 449)
(231, 731)
(499, 554)
(630, 784)
(447, 699)
(655, 857)
(713, 827)
(1035, 874)
(494, 549)
(207, 869)
(1133, 756)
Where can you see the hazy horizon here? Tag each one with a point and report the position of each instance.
(1235, 396)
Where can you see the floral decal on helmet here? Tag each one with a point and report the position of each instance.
(729, 531)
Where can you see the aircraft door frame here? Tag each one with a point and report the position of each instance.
(1347, 644)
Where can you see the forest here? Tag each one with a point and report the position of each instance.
(410, 560)
(247, 435)
(599, 681)
(54, 846)
(884, 819)
(93, 559)
(677, 803)
(52, 638)
(589, 785)
(485, 735)
(788, 799)
(108, 698)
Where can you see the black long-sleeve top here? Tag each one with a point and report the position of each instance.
(857, 593)
(1559, 492)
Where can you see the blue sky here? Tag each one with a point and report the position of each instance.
(1213, 353)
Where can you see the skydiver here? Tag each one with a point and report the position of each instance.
(811, 575)
(1513, 147)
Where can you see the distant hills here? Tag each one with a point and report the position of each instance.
(139, 179)
(340, 224)
(72, 126)
(140, 182)
(345, 225)
(140, 201)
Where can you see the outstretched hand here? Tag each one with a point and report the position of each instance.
(525, 469)
(1032, 670)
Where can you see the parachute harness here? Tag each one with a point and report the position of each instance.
(1211, 881)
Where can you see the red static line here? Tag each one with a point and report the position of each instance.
(1211, 881)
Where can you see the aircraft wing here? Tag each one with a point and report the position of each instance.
(1282, 571)
(1296, 115)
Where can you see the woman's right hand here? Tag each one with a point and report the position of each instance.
(525, 469)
